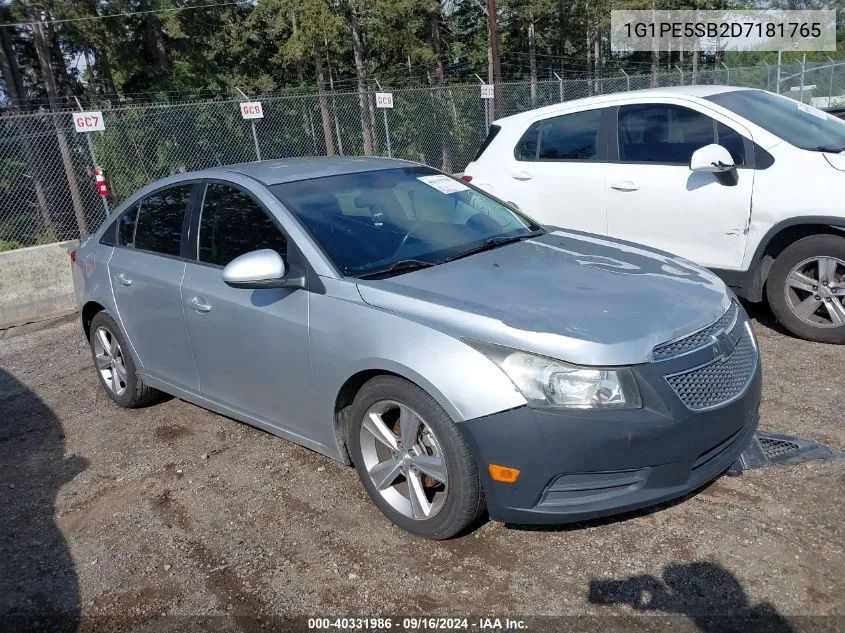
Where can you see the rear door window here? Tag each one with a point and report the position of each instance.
(568, 137)
(160, 220)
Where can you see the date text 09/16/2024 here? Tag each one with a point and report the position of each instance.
(417, 624)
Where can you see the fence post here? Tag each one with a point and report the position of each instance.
(768, 74)
(729, 72)
(627, 79)
(93, 157)
(252, 124)
(486, 115)
(560, 86)
(682, 73)
(830, 85)
(386, 126)
(803, 66)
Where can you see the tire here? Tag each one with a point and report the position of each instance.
(117, 362)
(438, 446)
(810, 273)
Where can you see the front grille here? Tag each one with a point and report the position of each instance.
(719, 381)
(696, 340)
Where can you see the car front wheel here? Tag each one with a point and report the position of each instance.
(413, 459)
(806, 288)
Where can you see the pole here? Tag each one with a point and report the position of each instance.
(627, 79)
(560, 86)
(729, 72)
(486, 117)
(93, 157)
(803, 65)
(830, 85)
(682, 74)
(386, 127)
(497, 66)
(252, 125)
(768, 75)
(779, 59)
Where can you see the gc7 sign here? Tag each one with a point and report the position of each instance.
(89, 121)
(252, 110)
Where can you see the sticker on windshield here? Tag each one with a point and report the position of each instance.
(811, 110)
(443, 184)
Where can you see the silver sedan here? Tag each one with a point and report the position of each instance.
(459, 354)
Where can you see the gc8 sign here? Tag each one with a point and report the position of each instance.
(252, 110)
(89, 121)
(384, 99)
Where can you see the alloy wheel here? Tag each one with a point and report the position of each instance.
(109, 359)
(404, 460)
(815, 291)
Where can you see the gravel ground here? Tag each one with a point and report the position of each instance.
(173, 510)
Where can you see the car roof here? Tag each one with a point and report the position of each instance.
(274, 172)
(676, 91)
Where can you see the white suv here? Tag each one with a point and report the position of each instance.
(745, 182)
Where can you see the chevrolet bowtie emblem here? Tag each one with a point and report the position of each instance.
(723, 345)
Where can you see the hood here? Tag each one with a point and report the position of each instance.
(573, 296)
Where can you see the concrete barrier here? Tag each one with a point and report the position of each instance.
(36, 284)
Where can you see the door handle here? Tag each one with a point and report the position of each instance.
(521, 175)
(123, 280)
(199, 305)
(624, 185)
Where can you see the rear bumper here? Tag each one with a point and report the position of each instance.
(577, 466)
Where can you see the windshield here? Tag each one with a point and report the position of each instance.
(370, 221)
(795, 122)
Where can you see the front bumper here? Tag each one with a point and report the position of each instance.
(579, 465)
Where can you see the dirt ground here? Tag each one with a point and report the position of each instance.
(173, 510)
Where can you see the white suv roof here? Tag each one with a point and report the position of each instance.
(676, 91)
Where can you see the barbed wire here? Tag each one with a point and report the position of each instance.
(107, 16)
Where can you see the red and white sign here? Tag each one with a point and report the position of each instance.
(252, 110)
(384, 99)
(89, 121)
(487, 91)
(102, 185)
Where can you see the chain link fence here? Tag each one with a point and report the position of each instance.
(47, 185)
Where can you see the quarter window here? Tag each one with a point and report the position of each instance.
(568, 137)
(232, 224)
(159, 226)
(669, 134)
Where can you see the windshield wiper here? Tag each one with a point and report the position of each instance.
(827, 148)
(495, 242)
(402, 266)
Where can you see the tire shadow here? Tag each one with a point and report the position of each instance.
(38, 582)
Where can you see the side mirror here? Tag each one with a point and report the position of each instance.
(711, 158)
(258, 269)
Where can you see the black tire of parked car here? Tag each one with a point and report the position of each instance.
(137, 394)
(464, 503)
(806, 248)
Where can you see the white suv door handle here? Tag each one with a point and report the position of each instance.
(199, 305)
(624, 185)
(521, 175)
(123, 280)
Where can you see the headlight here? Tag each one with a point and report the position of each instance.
(547, 383)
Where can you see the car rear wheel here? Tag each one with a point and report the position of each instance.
(806, 288)
(115, 365)
(413, 459)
